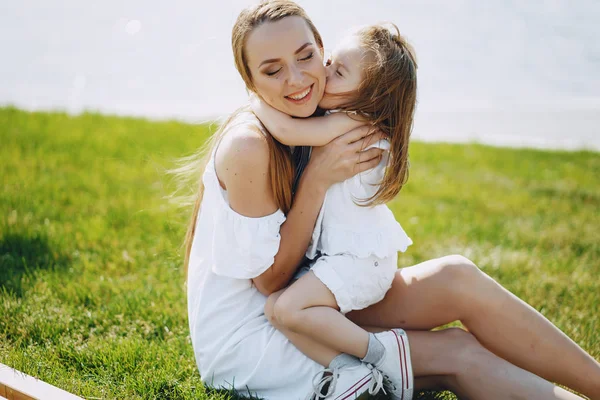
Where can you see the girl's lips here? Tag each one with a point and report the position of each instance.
(305, 99)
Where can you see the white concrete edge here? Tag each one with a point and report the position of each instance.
(30, 386)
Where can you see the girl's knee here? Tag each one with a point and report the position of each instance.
(270, 307)
(286, 312)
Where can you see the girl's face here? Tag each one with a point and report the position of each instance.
(344, 73)
(286, 65)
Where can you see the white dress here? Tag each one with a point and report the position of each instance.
(358, 244)
(343, 226)
(234, 344)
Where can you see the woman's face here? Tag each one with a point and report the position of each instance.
(344, 73)
(286, 66)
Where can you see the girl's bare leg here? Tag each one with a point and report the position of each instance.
(452, 288)
(307, 307)
(313, 349)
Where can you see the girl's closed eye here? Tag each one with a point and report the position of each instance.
(345, 72)
(329, 62)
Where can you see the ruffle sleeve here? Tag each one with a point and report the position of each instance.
(383, 240)
(244, 247)
(241, 247)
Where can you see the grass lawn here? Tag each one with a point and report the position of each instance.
(91, 282)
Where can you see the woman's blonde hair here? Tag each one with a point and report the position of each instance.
(387, 97)
(281, 168)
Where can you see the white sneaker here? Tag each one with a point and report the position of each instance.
(347, 383)
(396, 365)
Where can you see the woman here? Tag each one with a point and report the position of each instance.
(249, 238)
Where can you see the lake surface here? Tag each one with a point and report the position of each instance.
(509, 73)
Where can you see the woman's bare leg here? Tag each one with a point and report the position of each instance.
(452, 288)
(455, 360)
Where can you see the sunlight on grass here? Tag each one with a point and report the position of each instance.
(92, 291)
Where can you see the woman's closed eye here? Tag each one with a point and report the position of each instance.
(307, 58)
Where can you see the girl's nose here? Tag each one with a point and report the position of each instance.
(328, 70)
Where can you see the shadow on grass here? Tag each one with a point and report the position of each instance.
(22, 254)
(232, 395)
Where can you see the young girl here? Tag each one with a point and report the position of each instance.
(371, 79)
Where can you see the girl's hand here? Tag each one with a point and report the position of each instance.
(343, 157)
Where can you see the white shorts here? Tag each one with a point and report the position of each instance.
(356, 282)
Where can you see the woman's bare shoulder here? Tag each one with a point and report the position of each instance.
(243, 150)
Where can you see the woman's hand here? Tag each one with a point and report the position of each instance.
(344, 157)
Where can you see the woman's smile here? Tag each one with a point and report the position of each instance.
(301, 97)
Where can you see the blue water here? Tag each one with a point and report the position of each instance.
(503, 72)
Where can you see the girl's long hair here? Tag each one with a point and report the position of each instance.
(387, 98)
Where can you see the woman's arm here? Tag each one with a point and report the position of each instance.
(242, 163)
(314, 131)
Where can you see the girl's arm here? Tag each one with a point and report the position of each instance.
(314, 131)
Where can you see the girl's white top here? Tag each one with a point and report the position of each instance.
(345, 227)
(234, 344)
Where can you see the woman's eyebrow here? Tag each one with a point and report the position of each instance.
(272, 60)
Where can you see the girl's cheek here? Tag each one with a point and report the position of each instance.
(330, 86)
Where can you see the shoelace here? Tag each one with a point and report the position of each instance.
(322, 378)
(377, 381)
(330, 376)
(387, 381)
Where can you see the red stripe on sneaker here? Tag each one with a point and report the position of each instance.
(402, 338)
(402, 364)
(355, 390)
(360, 382)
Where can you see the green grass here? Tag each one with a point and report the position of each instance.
(91, 282)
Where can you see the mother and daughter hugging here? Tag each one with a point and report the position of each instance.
(301, 177)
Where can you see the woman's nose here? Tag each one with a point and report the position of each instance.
(295, 77)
